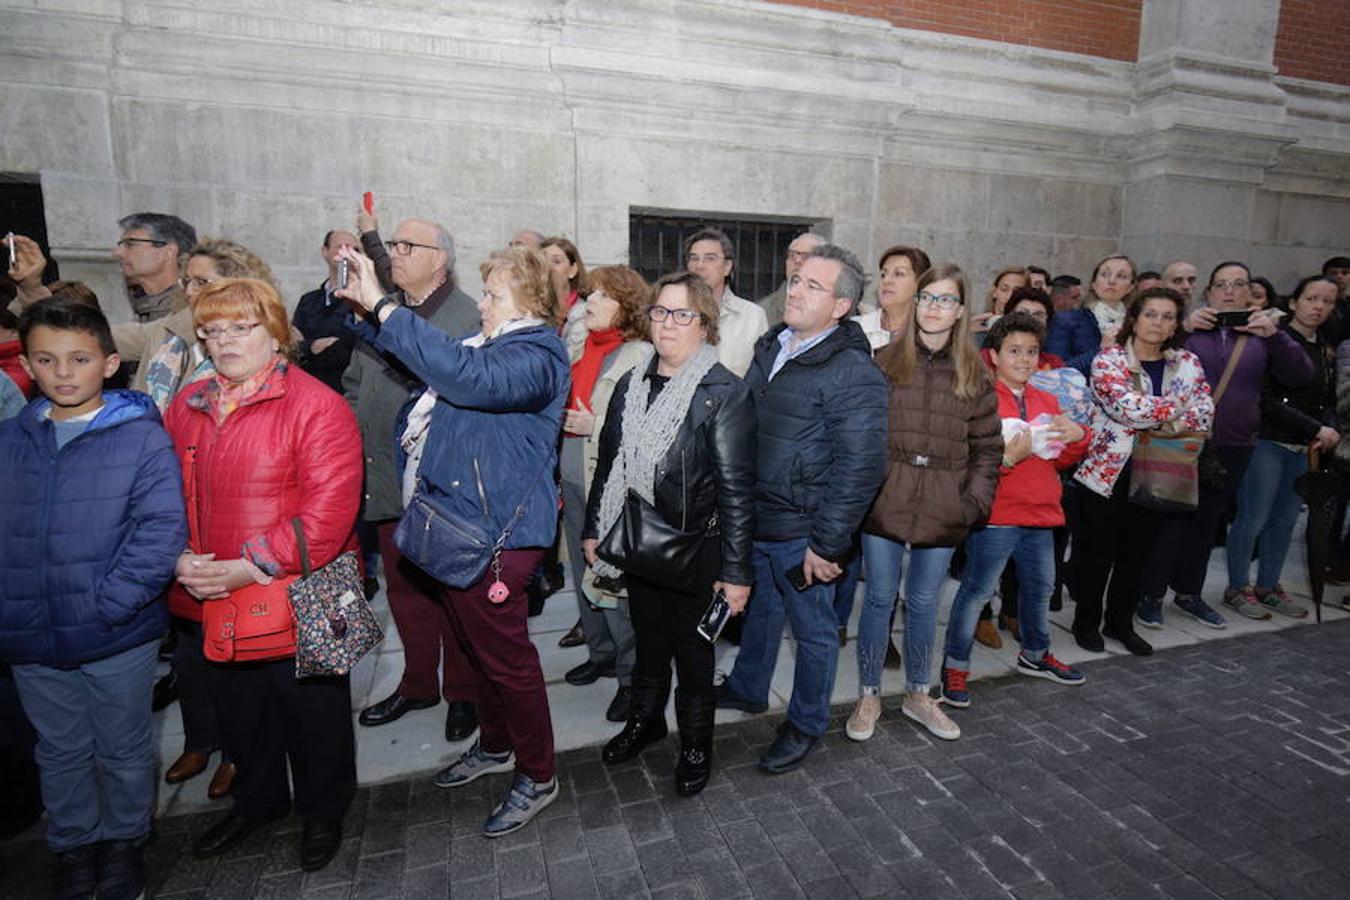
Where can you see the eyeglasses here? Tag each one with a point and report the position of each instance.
(659, 314)
(405, 248)
(706, 257)
(234, 330)
(941, 301)
(1237, 284)
(126, 243)
(188, 282)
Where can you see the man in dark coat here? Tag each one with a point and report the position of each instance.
(821, 405)
(325, 343)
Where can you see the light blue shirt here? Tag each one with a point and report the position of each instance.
(785, 339)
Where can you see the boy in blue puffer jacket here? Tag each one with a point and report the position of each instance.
(91, 506)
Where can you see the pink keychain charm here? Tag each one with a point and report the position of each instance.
(498, 592)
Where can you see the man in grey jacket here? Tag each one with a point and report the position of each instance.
(418, 268)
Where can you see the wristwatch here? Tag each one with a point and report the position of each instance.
(386, 300)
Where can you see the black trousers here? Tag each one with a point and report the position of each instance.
(1180, 559)
(665, 622)
(1112, 544)
(201, 732)
(268, 718)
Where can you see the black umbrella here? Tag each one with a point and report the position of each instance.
(1320, 488)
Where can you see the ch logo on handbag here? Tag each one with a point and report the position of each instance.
(258, 608)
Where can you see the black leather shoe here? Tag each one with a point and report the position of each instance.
(227, 833)
(392, 708)
(692, 770)
(589, 672)
(787, 750)
(728, 700)
(461, 720)
(319, 843)
(165, 691)
(621, 707)
(1132, 641)
(636, 736)
(1089, 640)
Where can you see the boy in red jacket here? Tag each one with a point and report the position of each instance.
(1038, 441)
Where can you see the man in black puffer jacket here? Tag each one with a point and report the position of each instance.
(821, 405)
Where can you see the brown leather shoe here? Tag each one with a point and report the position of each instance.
(987, 634)
(222, 781)
(573, 638)
(189, 765)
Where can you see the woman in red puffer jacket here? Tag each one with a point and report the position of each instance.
(262, 443)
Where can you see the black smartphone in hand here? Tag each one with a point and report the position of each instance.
(1232, 318)
(797, 577)
(715, 617)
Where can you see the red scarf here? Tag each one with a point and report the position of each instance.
(586, 371)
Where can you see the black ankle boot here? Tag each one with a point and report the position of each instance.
(646, 720)
(695, 717)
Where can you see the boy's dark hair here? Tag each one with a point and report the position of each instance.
(1035, 295)
(1336, 262)
(1150, 274)
(67, 314)
(1017, 323)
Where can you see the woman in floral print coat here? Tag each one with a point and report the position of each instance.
(1145, 382)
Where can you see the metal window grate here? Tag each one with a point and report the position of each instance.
(656, 246)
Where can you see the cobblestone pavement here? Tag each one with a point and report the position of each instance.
(1218, 770)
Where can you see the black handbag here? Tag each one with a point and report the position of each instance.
(644, 544)
(452, 548)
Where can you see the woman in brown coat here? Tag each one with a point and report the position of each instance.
(945, 442)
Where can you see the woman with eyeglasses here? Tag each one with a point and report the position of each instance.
(615, 315)
(1226, 331)
(944, 445)
(481, 444)
(168, 350)
(678, 445)
(1294, 420)
(1077, 335)
(1146, 383)
(263, 443)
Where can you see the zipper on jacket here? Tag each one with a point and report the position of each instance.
(482, 494)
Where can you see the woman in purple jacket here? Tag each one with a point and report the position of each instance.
(1181, 555)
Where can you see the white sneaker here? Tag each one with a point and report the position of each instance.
(925, 710)
(863, 722)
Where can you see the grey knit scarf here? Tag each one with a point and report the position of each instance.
(647, 436)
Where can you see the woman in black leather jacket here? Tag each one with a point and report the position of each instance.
(678, 449)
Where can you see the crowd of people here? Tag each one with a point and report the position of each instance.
(701, 461)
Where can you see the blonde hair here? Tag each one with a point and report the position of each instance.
(898, 359)
(530, 277)
(234, 260)
(243, 298)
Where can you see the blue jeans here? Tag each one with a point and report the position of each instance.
(1267, 509)
(813, 625)
(987, 552)
(95, 751)
(845, 587)
(927, 571)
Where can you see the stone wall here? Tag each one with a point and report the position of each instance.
(264, 123)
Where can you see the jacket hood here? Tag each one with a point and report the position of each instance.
(848, 334)
(119, 406)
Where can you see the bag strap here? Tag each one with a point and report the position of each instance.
(1228, 370)
(300, 541)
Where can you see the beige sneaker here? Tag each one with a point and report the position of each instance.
(925, 710)
(863, 722)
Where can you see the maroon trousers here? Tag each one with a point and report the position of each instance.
(512, 700)
(424, 627)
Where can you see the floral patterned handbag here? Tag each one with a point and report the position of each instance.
(334, 625)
